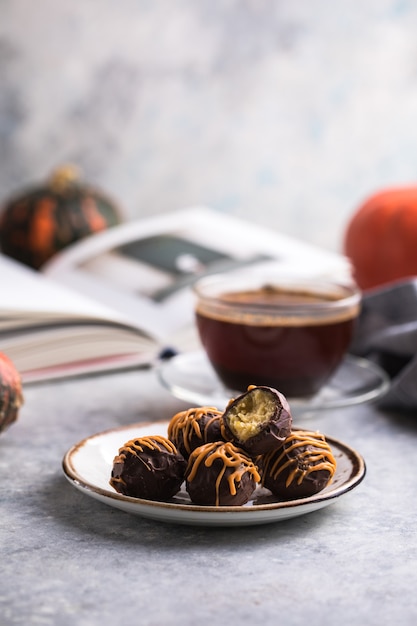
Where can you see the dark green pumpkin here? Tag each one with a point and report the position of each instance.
(40, 221)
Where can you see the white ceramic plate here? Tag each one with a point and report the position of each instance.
(190, 377)
(87, 465)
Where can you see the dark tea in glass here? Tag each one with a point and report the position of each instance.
(287, 334)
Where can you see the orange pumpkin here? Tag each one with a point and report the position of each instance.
(11, 396)
(381, 238)
(42, 220)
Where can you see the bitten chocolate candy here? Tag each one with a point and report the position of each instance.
(193, 428)
(259, 420)
(148, 467)
(219, 474)
(303, 466)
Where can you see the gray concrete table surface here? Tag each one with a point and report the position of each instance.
(67, 559)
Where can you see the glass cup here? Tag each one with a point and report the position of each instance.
(287, 332)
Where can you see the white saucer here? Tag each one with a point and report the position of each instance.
(190, 377)
(88, 464)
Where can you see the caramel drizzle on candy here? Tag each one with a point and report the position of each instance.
(230, 456)
(155, 442)
(187, 422)
(135, 446)
(321, 458)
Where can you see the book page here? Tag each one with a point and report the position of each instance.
(28, 294)
(119, 297)
(49, 331)
(146, 269)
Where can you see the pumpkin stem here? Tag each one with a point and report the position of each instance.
(64, 177)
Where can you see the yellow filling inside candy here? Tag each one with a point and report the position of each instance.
(248, 416)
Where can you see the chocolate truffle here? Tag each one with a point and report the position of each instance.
(148, 467)
(219, 474)
(259, 420)
(193, 428)
(301, 467)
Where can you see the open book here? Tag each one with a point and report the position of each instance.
(119, 298)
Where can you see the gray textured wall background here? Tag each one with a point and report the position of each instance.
(286, 112)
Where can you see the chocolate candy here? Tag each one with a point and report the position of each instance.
(259, 420)
(195, 427)
(148, 467)
(301, 467)
(219, 474)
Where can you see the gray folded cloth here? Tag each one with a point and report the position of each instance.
(386, 334)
